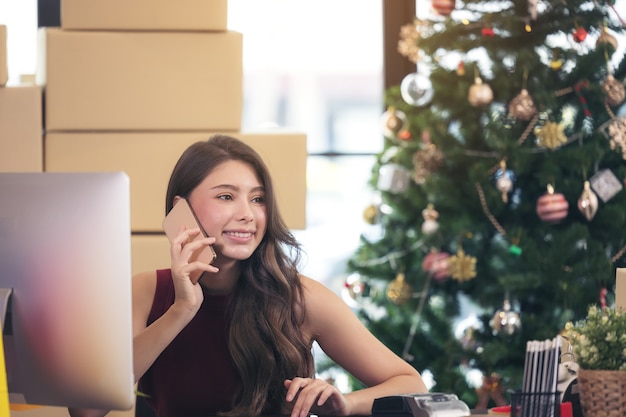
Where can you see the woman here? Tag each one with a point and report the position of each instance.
(238, 342)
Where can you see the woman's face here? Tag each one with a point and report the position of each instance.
(230, 204)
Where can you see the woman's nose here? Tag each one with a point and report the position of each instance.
(245, 214)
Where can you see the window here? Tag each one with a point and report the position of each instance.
(317, 67)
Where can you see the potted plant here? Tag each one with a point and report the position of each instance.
(599, 346)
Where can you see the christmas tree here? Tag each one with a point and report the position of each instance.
(500, 211)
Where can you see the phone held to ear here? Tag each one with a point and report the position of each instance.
(182, 214)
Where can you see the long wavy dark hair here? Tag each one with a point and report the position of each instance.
(267, 308)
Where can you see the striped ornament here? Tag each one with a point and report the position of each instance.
(552, 207)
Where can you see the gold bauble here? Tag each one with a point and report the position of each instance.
(479, 93)
(398, 291)
(371, 213)
(615, 91)
(522, 106)
(393, 121)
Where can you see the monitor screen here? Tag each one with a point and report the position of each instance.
(65, 269)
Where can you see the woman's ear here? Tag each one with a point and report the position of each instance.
(177, 198)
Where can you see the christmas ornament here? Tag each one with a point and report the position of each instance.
(426, 161)
(615, 91)
(491, 389)
(354, 290)
(487, 31)
(505, 321)
(398, 290)
(479, 93)
(551, 135)
(588, 202)
(460, 69)
(605, 184)
(443, 7)
(416, 89)
(430, 216)
(465, 332)
(404, 134)
(371, 214)
(393, 122)
(408, 43)
(552, 207)
(617, 134)
(606, 38)
(522, 107)
(504, 181)
(556, 63)
(461, 266)
(580, 34)
(393, 178)
(436, 264)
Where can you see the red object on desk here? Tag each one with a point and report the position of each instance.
(566, 410)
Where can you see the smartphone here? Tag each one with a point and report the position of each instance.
(182, 214)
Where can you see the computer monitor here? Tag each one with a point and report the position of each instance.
(65, 260)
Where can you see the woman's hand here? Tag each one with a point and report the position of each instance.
(316, 396)
(188, 292)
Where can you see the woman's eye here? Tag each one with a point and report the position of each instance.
(225, 197)
(258, 200)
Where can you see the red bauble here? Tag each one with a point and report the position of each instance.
(443, 7)
(580, 34)
(552, 207)
(436, 263)
(487, 31)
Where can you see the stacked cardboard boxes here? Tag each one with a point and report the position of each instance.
(129, 84)
(21, 124)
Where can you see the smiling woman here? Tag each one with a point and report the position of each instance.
(238, 341)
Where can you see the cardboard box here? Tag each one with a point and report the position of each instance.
(148, 159)
(149, 252)
(144, 14)
(620, 288)
(21, 137)
(4, 67)
(134, 81)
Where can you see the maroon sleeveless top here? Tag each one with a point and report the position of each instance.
(195, 374)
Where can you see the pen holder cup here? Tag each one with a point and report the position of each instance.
(535, 404)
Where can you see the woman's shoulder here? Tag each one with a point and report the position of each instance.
(145, 279)
(320, 298)
(313, 288)
(326, 314)
(145, 285)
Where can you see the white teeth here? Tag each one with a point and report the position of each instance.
(239, 234)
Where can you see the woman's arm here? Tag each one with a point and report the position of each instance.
(150, 341)
(343, 337)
